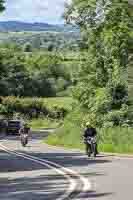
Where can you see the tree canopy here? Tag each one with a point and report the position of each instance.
(41, 74)
(2, 7)
(102, 85)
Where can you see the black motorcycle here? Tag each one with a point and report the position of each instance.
(92, 142)
(24, 139)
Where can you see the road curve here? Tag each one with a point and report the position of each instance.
(110, 177)
(76, 181)
(43, 163)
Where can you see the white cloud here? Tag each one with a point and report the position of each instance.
(34, 10)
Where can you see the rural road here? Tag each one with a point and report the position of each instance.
(41, 172)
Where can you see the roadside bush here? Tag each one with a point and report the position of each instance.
(116, 139)
(3, 109)
(102, 101)
(120, 117)
(69, 134)
(35, 107)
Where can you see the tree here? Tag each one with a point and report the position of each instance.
(102, 84)
(2, 7)
(27, 47)
(13, 46)
(50, 47)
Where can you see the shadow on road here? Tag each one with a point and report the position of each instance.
(36, 188)
(63, 158)
(70, 159)
(94, 194)
(27, 183)
(43, 187)
(11, 163)
(14, 163)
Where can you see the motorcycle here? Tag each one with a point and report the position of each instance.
(92, 142)
(24, 139)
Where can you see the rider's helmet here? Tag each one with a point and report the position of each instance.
(88, 124)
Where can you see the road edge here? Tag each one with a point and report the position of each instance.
(101, 153)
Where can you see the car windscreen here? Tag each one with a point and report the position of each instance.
(14, 124)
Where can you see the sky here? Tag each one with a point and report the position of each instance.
(49, 11)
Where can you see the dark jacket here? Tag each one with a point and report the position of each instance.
(24, 130)
(90, 132)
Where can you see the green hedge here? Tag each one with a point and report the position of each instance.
(54, 108)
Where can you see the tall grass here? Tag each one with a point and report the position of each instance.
(114, 139)
(70, 134)
(44, 123)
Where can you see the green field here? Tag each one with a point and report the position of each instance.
(42, 40)
(44, 123)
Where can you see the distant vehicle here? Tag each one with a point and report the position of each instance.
(14, 126)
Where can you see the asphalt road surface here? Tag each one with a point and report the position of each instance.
(41, 172)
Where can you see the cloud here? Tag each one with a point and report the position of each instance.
(34, 10)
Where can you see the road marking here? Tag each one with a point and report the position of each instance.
(64, 171)
(72, 181)
(86, 183)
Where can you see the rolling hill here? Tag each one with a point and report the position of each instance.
(17, 26)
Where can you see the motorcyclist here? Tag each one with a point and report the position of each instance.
(24, 134)
(89, 132)
(24, 130)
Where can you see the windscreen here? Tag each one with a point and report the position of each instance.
(13, 123)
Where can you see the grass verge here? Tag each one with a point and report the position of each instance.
(44, 123)
(113, 140)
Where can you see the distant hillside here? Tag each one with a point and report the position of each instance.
(16, 26)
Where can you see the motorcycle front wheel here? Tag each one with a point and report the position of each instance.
(94, 150)
(24, 142)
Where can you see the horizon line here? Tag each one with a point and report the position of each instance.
(33, 22)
